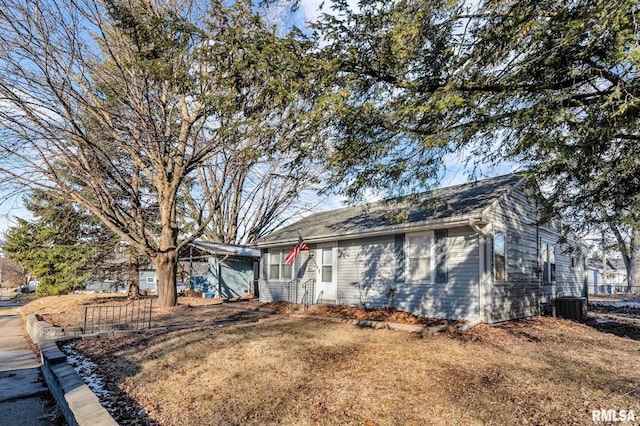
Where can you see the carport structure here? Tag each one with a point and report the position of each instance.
(223, 269)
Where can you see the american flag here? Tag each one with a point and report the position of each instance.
(291, 257)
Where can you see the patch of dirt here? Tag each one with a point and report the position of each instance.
(375, 314)
(69, 310)
(623, 321)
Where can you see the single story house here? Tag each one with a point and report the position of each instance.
(222, 269)
(474, 251)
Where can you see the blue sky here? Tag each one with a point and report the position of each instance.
(10, 207)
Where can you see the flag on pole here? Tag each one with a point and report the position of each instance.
(291, 257)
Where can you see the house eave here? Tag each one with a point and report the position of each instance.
(226, 249)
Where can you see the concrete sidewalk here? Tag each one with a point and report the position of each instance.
(7, 295)
(24, 397)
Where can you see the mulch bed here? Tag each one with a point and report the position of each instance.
(359, 313)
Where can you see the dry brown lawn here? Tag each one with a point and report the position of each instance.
(68, 310)
(304, 371)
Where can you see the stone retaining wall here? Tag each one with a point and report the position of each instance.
(77, 402)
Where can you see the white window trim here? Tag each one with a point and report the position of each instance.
(407, 261)
(270, 263)
(283, 254)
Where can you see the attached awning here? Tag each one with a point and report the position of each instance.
(202, 247)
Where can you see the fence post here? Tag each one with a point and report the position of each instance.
(150, 309)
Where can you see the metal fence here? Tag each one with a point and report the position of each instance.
(134, 315)
(612, 289)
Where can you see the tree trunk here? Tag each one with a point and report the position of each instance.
(633, 276)
(167, 267)
(134, 274)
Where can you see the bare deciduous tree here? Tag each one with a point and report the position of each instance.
(248, 198)
(114, 104)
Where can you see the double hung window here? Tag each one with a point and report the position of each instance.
(278, 269)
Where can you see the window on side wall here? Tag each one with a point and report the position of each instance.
(552, 263)
(420, 257)
(548, 263)
(499, 256)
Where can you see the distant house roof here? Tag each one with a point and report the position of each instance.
(441, 206)
(225, 249)
(613, 264)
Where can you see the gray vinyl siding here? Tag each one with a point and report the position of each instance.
(570, 281)
(148, 280)
(459, 297)
(523, 294)
(518, 295)
(368, 268)
(270, 290)
(302, 290)
(288, 290)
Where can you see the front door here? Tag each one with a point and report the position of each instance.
(326, 279)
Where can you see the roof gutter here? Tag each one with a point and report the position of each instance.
(479, 226)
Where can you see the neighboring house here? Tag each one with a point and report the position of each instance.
(148, 278)
(472, 251)
(614, 281)
(113, 275)
(224, 269)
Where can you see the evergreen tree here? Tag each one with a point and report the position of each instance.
(61, 247)
(116, 104)
(551, 85)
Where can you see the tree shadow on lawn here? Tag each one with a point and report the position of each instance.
(559, 391)
(120, 406)
(611, 325)
(553, 372)
(289, 350)
(122, 357)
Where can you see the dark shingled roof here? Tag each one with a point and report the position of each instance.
(458, 202)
